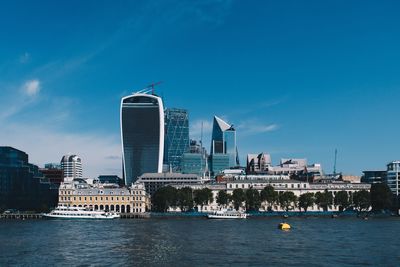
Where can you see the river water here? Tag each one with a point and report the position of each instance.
(201, 242)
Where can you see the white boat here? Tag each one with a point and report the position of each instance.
(227, 214)
(79, 213)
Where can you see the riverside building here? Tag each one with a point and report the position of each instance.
(22, 185)
(96, 197)
(142, 133)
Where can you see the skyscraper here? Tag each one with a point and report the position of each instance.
(72, 167)
(176, 136)
(142, 134)
(223, 144)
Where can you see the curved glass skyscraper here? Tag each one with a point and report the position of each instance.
(142, 134)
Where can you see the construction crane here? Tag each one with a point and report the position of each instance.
(148, 88)
(334, 165)
(152, 85)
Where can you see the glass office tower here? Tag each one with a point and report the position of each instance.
(142, 134)
(176, 136)
(223, 146)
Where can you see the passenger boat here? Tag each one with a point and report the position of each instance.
(227, 214)
(79, 213)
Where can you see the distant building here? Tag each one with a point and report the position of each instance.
(176, 137)
(258, 163)
(110, 179)
(218, 163)
(195, 161)
(154, 181)
(22, 186)
(142, 132)
(224, 145)
(373, 177)
(53, 172)
(392, 177)
(72, 167)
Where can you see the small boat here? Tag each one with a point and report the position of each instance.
(284, 226)
(227, 214)
(79, 213)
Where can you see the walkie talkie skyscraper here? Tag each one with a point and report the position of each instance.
(142, 135)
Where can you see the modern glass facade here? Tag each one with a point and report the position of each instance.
(392, 177)
(176, 137)
(223, 142)
(142, 133)
(22, 186)
(219, 162)
(194, 163)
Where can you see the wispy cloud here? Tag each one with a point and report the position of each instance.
(253, 127)
(32, 87)
(197, 126)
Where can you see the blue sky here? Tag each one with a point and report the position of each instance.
(297, 78)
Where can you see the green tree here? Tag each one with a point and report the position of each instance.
(381, 197)
(362, 200)
(306, 200)
(253, 201)
(342, 200)
(269, 195)
(324, 199)
(287, 200)
(185, 198)
(164, 198)
(203, 197)
(238, 197)
(222, 198)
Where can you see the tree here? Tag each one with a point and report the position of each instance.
(253, 201)
(381, 197)
(164, 198)
(362, 200)
(185, 198)
(238, 197)
(269, 195)
(324, 200)
(287, 200)
(342, 200)
(306, 200)
(222, 198)
(203, 197)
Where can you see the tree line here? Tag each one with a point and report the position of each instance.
(379, 198)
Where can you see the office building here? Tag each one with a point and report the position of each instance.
(154, 181)
(176, 137)
(142, 132)
(223, 153)
(22, 186)
(53, 172)
(373, 177)
(392, 176)
(72, 167)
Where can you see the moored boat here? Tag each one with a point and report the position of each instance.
(227, 214)
(79, 213)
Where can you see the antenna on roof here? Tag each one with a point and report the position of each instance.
(334, 165)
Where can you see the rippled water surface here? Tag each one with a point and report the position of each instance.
(201, 242)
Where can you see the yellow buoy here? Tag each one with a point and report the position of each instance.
(284, 226)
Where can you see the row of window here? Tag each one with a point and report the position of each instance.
(280, 185)
(101, 198)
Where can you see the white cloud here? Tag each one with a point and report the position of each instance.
(196, 127)
(252, 127)
(32, 87)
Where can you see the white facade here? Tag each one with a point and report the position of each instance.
(72, 167)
